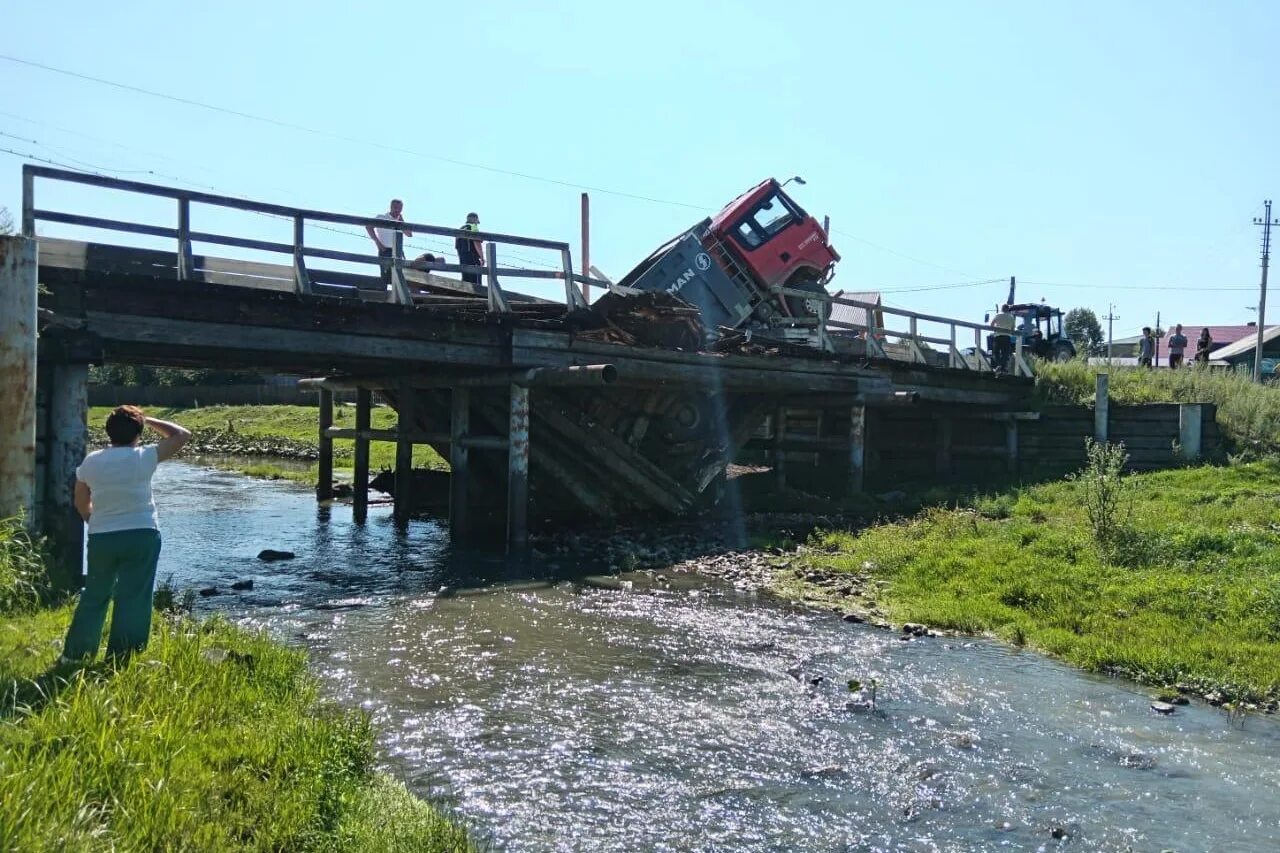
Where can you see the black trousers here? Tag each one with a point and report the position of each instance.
(470, 259)
(385, 263)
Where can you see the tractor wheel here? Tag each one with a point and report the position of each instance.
(805, 306)
(1062, 351)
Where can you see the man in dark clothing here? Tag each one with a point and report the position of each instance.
(1146, 348)
(470, 250)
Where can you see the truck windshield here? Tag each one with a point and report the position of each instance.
(765, 220)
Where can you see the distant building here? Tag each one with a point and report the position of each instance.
(855, 315)
(1241, 352)
(1223, 336)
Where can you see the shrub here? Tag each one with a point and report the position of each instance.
(1107, 495)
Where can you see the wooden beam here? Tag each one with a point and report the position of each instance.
(459, 462)
(776, 455)
(406, 408)
(474, 442)
(324, 475)
(360, 482)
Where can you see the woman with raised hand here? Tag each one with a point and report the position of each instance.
(113, 494)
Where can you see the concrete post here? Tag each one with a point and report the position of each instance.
(1190, 422)
(68, 413)
(17, 377)
(1011, 445)
(459, 462)
(518, 472)
(1101, 409)
(779, 454)
(857, 447)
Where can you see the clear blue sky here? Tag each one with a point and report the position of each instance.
(1109, 152)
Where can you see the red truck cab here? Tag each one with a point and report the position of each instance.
(773, 237)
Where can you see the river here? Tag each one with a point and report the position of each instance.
(603, 714)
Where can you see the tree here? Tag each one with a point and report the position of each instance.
(6, 222)
(1082, 327)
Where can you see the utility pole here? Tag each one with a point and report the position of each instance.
(1266, 222)
(1159, 333)
(1111, 319)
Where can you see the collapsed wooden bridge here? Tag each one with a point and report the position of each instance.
(540, 416)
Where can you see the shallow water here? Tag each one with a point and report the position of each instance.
(594, 714)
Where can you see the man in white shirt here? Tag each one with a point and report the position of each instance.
(385, 238)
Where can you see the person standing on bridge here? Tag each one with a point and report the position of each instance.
(470, 249)
(385, 238)
(113, 494)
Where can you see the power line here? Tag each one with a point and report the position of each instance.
(343, 137)
(1132, 286)
(899, 254)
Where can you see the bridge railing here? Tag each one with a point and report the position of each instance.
(298, 251)
(912, 342)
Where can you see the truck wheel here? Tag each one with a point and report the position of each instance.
(1062, 351)
(805, 306)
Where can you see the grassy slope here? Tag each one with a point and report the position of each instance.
(294, 423)
(1249, 413)
(1198, 604)
(181, 750)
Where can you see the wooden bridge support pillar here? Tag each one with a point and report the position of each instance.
(459, 462)
(405, 424)
(65, 443)
(857, 448)
(518, 472)
(18, 377)
(324, 476)
(360, 482)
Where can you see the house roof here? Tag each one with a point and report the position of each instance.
(1246, 344)
(1221, 334)
(852, 314)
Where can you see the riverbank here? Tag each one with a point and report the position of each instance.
(1188, 603)
(262, 434)
(214, 738)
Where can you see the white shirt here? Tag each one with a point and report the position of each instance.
(119, 479)
(386, 236)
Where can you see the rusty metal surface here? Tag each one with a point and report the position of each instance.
(18, 265)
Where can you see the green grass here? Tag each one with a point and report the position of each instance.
(1248, 412)
(213, 739)
(1193, 597)
(296, 426)
(22, 573)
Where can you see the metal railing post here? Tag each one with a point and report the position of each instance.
(399, 290)
(573, 298)
(28, 201)
(497, 301)
(301, 281)
(185, 266)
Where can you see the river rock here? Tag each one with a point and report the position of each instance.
(270, 555)
(1162, 707)
(208, 591)
(852, 617)
(1059, 833)
(915, 629)
(241, 586)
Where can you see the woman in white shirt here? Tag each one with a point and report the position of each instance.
(113, 494)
